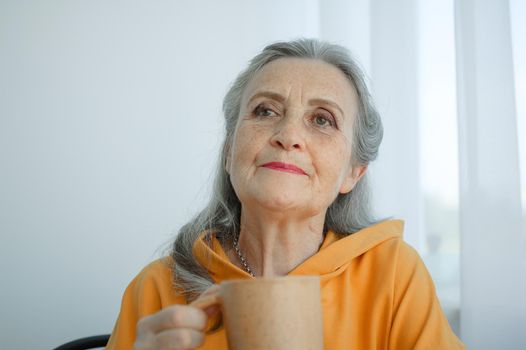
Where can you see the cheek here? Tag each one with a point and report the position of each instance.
(247, 144)
(332, 160)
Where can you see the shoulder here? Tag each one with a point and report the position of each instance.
(159, 270)
(401, 253)
(153, 285)
(390, 250)
(396, 251)
(410, 277)
(398, 262)
(408, 265)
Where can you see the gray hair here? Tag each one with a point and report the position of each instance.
(348, 213)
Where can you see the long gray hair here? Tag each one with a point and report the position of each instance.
(348, 213)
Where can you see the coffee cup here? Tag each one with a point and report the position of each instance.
(273, 313)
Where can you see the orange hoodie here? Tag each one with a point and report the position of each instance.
(376, 293)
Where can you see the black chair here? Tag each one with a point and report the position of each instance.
(97, 341)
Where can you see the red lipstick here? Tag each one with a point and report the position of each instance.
(289, 168)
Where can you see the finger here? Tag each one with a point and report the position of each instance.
(176, 316)
(210, 302)
(204, 301)
(208, 298)
(179, 339)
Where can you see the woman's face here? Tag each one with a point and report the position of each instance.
(294, 112)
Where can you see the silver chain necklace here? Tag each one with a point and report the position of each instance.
(242, 258)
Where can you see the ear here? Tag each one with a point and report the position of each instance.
(351, 179)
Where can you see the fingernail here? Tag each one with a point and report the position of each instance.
(212, 310)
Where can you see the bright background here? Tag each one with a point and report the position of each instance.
(110, 121)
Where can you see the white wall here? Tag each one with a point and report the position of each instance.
(110, 118)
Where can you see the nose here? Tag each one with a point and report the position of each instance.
(289, 133)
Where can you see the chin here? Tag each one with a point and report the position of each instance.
(281, 201)
(274, 197)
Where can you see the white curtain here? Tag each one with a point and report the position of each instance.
(493, 256)
(383, 34)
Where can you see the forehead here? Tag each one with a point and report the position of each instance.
(309, 77)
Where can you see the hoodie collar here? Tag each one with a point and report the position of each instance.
(334, 255)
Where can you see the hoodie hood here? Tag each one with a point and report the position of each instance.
(334, 255)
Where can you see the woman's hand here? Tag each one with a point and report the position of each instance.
(178, 326)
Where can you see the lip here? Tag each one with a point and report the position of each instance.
(289, 168)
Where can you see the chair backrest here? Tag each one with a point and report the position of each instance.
(97, 341)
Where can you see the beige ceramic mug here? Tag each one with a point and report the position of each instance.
(273, 313)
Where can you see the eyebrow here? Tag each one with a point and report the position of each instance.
(333, 104)
(269, 94)
(280, 98)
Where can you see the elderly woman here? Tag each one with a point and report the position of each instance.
(291, 198)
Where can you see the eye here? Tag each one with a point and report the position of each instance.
(322, 120)
(263, 111)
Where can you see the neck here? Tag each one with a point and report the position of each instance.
(274, 243)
